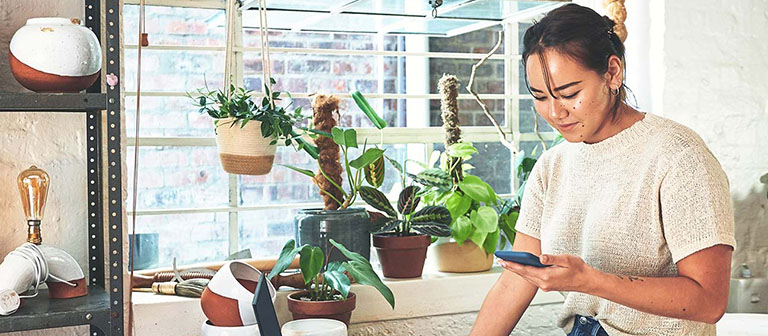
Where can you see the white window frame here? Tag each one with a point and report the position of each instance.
(419, 135)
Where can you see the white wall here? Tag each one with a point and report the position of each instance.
(713, 68)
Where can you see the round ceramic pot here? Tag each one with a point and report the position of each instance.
(335, 310)
(401, 257)
(243, 150)
(348, 227)
(227, 301)
(55, 55)
(314, 327)
(209, 329)
(464, 258)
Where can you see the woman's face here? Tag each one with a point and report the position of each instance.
(578, 105)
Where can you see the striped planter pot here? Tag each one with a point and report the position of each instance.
(244, 150)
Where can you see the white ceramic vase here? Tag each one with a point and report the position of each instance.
(55, 55)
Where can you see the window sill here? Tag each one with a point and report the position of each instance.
(456, 293)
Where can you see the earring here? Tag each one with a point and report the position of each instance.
(615, 93)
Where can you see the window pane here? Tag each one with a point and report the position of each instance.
(339, 41)
(528, 117)
(493, 164)
(470, 112)
(167, 116)
(173, 70)
(190, 238)
(178, 177)
(480, 41)
(265, 232)
(175, 25)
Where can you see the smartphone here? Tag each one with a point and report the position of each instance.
(523, 258)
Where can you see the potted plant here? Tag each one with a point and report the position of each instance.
(401, 235)
(246, 133)
(329, 293)
(343, 223)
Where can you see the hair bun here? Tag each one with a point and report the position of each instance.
(609, 24)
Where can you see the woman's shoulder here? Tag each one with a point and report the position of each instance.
(674, 140)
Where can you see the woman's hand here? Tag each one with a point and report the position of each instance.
(568, 273)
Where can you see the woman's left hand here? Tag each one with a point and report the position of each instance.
(568, 273)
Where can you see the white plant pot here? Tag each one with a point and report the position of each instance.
(55, 55)
(243, 150)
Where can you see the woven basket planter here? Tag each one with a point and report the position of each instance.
(243, 150)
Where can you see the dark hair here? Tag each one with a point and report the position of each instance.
(580, 33)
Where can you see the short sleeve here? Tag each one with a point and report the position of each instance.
(529, 221)
(696, 209)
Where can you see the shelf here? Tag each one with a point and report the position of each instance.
(42, 312)
(52, 102)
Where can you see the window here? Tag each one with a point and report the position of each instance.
(200, 213)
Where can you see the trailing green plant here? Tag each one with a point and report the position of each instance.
(369, 166)
(328, 281)
(237, 105)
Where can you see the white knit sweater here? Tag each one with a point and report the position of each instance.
(634, 204)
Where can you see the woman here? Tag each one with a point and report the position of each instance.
(633, 211)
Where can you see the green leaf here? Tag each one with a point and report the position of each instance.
(384, 226)
(364, 275)
(286, 258)
(375, 172)
(432, 213)
(300, 170)
(478, 237)
(474, 187)
(377, 199)
(458, 204)
(408, 200)
(462, 150)
(350, 137)
(432, 228)
(395, 164)
(485, 219)
(462, 228)
(433, 177)
(491, 241)
(338, 281)
(349, 254)
(338, 136)
(370, 155)
(362, 103)
(311, 262)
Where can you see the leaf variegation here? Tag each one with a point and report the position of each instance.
(408, 200)
(377, 199)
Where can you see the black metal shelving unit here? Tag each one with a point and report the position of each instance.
(102, 308)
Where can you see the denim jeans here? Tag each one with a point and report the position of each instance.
(586, 326)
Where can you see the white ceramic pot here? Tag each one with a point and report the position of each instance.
(212, 330)
(55, 55)
(243, 150)
(314, 327)
(227, 301)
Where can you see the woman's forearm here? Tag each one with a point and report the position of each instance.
(677, 297)
(504, 305)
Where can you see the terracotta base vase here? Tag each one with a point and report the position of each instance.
(243, 150)
(336, 310)
(464, 258)
(401, 257)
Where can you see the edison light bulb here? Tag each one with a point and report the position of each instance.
(33, 187)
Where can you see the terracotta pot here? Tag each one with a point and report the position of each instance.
(464, 258)
(336, 310)
(227, 300)
(243, 150)
(55, 55)
(401, 257)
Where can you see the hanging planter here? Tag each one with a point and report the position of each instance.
(244, 150)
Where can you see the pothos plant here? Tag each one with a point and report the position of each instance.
(326, 280)
(237, 107)
(472, 203)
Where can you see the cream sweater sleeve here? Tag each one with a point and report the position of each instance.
(696, 209)
(529, 221)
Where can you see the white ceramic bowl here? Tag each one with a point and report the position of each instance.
(314, 327)
(212, 330)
